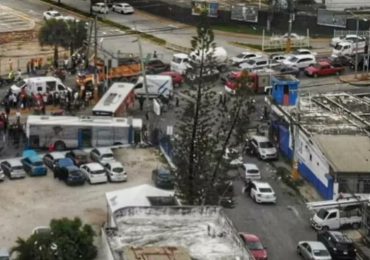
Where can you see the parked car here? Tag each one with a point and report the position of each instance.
(244, 57)
(287, 70)
(323, 69)
(4, 254)
(304, 52)
(349, 37)
(313, 250)
(123, 8)
(115, 171)
(338, 244)
(51, 158)
(94, 173)
(13, 168)
(68, 172)
(2, 175)
(162, 178)
(255, 246)
(101, 155)
(262, 192)
(40, 230)
(177, 78)
(33, 164)
(100, 8)
(255, 64)
(78, 157)
(250, 171)
(263, 148)
(340, 61)
(300, 61)
(156, 66)
(278, 57)
(52, 14)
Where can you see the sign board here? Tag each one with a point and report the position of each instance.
(210, 7)
(156, 107)
(242, 12)
(331, 18)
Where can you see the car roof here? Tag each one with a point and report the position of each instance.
(115, 163)
(14, 162)
(260, 138)
(57, 155)
(35, 158)
(250, 166)
(64, 162)
(72, 167)
(300, 56)
(181, 55)
(261, 184)
(29, 153)
(315, 244)
(250, 237)
(302, 49)
(53, 12)
(94, 166)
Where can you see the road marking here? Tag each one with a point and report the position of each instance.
(295, 211)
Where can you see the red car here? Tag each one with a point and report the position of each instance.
(323, 68)
(254, 245)
(177, 78)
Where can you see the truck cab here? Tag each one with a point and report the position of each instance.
(180, 63)
(348, 48)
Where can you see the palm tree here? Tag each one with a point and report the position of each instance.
(78, 34)
(55, 33)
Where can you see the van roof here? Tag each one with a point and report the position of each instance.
(181, 55)
(41, 79)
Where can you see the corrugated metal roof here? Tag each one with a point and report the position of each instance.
(345, 153)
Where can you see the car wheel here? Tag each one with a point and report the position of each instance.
(315, 75)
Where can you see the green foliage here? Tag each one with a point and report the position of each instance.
(77, 32)
(67, 240)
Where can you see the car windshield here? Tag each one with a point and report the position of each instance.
(251, 62)
(107, 155)
(255, 245)
(322, 213)
(321, 252)
(37, 163)
(293, 59)
(265, 190)
(118, 169)
(266, 145)
(253, 171)
(98, 172)
(338, 47)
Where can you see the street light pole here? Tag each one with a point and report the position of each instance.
(289, 42)
(143, 74)
(356, 60)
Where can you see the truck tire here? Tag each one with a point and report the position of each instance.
(59, 146)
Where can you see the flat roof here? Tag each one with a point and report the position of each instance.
(345, 153)
(134, 196)
(205, 232)
(155, 253)
(114, 97)
(84, 121)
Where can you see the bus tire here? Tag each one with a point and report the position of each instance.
(59, 146)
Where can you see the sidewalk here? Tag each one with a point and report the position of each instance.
(362, 79)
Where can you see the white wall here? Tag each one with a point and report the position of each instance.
(345, 4)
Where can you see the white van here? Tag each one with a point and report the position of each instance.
(300, 61)
(158, 85)
(40, 85)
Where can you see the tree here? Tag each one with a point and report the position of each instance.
(67, 240)
(78, 34)
(55, 33)
(204, 131)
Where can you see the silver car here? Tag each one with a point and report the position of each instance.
(115, 171)
(13, 168)
(313, 250)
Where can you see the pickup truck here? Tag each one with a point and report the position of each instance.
(68, 172)
(323, 69)
(327, 219)
(32, 163)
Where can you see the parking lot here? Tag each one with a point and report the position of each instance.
(34, 201)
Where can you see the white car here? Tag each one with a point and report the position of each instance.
(244, 57)
(123, 8)
(304, 52)
(101, 155)
(313, 250)
(251, 172)
(256, 63)
(13, 168)
(348, 37)
(262, 192)
(278, 57)
(263, 148)
(52, 14)
(2, 175)
(94, 172)
(300, 61)
(115, 171)
(100, 8)
(293, 37)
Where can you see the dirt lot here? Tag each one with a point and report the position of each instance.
(31, 202)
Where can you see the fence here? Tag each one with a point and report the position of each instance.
(279, 42)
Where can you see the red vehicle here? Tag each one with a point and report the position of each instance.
(177, 78)
(254, 245)
(257, 81)
(323, 68)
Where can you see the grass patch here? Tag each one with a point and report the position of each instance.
(128, 30)
(285, 176)
(259, 47)
(238, 28)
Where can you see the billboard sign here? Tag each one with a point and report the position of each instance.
(242, 12)
(210, 7)
(331, 18)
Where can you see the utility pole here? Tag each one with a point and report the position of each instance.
(356, 62)
(295, 127)
(289, 42)
(95, 60)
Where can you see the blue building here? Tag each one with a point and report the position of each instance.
(332, 147)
